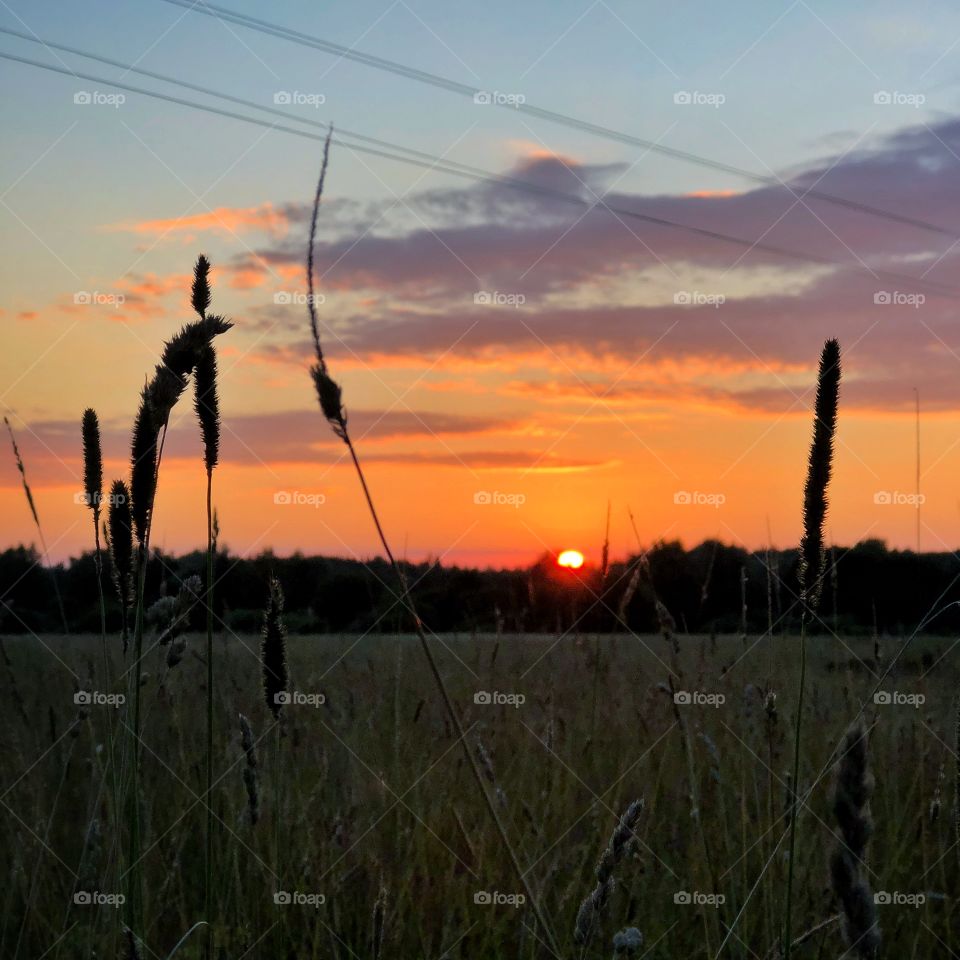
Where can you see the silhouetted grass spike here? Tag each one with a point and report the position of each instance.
(207, 404)
(317, 197)
(273, 650)
(331, 404)
(180, 357)
(811, 570)
(143, 467)
(92, 460)
(330, 396)
(812, 555)
(200, 295)
(181, 351)
(121, 548)
(328, 390)
(851, 807)
(23, 474)
(615, 851)
(36, 520)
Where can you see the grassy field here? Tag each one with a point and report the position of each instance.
(368, 800)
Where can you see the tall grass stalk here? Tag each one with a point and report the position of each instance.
(811, 569)
(604, 570)
(329, 395)
(207, 406)
(178, 361)
(120, 527)
(36, 520)
(273, 662)
(616, 850)
(93, 493)
(851, 808)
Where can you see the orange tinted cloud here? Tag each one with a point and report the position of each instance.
(247, 278)
(709, 194)
(153, 285)
(227, 219)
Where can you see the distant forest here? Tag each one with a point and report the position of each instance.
(710, 588)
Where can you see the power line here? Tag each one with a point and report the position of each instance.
(585, 126)
(166, 78)
(386, 150)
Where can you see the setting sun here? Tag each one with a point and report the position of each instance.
(570, 558)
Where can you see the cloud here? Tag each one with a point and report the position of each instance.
(265, 217)
(51, 448)
(596, 288)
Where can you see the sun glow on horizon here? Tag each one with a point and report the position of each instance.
(572, 559)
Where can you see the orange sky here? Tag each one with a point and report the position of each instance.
(509, 368)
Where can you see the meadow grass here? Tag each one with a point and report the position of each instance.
(378, 805)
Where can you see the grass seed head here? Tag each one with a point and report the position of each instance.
(92, 461)
(143, 467)
(200, 294)
(848, 874)
(616, 849)
(120, 524)
(207, 404)
(273, 650)
(812, 554)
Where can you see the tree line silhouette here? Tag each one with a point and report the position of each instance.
(713, 587)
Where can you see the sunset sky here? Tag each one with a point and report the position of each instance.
(493, 431)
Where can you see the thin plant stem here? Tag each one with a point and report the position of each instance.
(281, 927)
(451, 711)
(36, 520)
(209, 792)
(330, 397)
(135, 897)
(108, 683)
(798, 725)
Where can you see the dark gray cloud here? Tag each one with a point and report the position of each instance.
(417, 275)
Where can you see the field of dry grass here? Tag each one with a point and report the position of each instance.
(385, 848)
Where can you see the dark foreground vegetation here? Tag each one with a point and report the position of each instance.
(377, 814)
